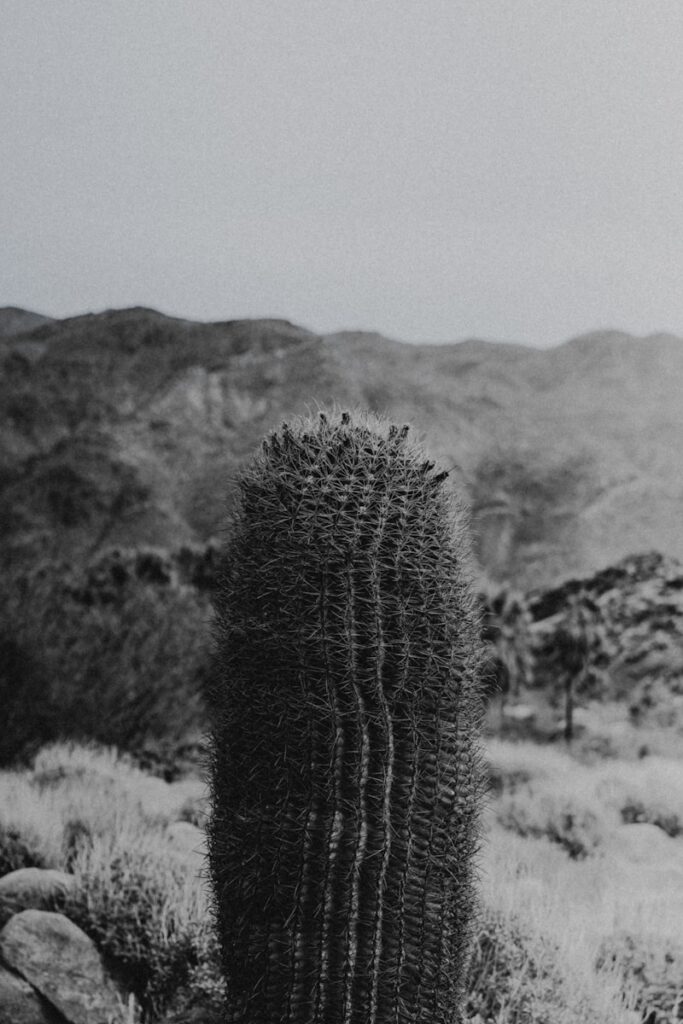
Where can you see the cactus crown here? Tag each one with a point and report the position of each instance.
(345, 770)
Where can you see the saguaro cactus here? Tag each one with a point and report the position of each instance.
(346, 779)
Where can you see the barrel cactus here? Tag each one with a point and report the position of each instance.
(345, 769)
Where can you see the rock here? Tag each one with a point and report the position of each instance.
(21, 1004)
(32, 889)
(520, 714)
(63, 964)
(633, 628)
(645, 844)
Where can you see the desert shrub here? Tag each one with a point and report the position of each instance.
(507, 630)
(542, 793)
(16, 851)
(202, 999)
(73, 797)
(655, 971)
(563, 818)
(649, 790)
(139, 903)
(534, 961)
(122, 667)
(78, 837)
(95, 814)
(23, 691)
(634, 812)
(195, 810)
(83, 763)
(30, 827)
(510, 976)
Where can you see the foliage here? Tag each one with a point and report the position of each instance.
(507, 629)
(87, 810)
(28, 716)
(579, 649)
(134, 900)
(555, 943)
(511, 976)
(654, 970)
(575, 827)
(120, 664)
(16, 851)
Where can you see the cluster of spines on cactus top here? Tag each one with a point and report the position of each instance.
(345, 770)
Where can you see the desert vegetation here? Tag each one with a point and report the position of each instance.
(116, 430)
(581, 860)
(568, 932)
(117, 653)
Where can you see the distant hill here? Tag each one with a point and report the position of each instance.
(126, 427)
(17, 321)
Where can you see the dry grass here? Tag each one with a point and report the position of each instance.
(542, 791)
(85, 810)
(561, 939)
(611, 915)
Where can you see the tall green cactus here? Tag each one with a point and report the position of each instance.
(346, 778)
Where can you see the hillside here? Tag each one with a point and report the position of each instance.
(126, 427)
(17, 321)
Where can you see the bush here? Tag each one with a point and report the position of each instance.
(537, 956)
(88, 811)
(23, 688)
(562, 818)
(656, 974)
(202, 999)
(122, 666)
(138, 903)
(16, 851)
(542, 793)
(508, 979)
(31, 828)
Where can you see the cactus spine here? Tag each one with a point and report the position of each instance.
(345, 772)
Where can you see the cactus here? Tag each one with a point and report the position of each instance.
(345, 769)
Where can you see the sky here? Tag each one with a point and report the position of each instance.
(430, 169)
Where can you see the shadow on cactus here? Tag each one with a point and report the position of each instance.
(346, 775)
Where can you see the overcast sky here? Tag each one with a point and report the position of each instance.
(431, 169)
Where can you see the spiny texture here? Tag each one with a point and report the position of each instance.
(345, 769)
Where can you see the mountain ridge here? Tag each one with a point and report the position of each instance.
(127, 427)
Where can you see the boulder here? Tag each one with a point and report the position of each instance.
(33, 889)
(519, 714)
(63, 964)
(645, 844)
(21, 1004)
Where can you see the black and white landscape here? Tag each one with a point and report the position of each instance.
(216, 218)
(122, 432)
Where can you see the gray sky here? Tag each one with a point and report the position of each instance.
(432, 169)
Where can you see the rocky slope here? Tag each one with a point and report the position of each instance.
(125, 428)
(630, 619)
